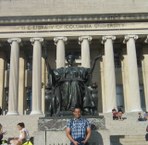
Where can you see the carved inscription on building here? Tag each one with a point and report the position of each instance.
(70, 27)
(73, 27)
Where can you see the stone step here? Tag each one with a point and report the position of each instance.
(133, 140)
(10, 122)
(134, 143)
(129, 126)
(141, 143)
(135, 137)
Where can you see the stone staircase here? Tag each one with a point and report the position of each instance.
(133, 140)
(126, 132)
(10, 124)
(129, 131)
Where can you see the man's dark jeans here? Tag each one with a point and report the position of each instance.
(79, 140)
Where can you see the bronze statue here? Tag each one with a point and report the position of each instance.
(69, 86)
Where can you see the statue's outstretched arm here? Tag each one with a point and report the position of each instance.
(50, 71)
(94, 63)
(51, 81)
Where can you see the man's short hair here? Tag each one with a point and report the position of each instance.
(77, 106)
(21, 124)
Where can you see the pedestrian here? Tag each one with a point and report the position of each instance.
(1, 133)
(78, 129)
(140, 117)
(115, 114)
(23, 137)
(146, 115)
(120, 113)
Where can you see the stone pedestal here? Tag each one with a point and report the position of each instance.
(58, 123)
(52, 132)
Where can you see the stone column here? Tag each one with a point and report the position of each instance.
(109, 73)
(36, 76)
(14, 75)
(145, 72)
(43, 84)
(60, 51)
(85, 51)
(133, 100)
(124, 67)
(102, 85)
(2, 77)
(21, 90)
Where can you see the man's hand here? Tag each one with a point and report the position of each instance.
(87, 136)
(75, 143)
(70, 137)
(84, 141)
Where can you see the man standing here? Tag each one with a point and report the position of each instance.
(78, 129)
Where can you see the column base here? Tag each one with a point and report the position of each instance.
(12, 113)
(36, 113)
(108, 111)
(135, 110)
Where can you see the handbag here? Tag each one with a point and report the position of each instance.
(28, 143)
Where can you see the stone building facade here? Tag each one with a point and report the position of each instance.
(116, 29)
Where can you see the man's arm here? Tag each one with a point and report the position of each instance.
(70, 137)
(23, 134)
(51, 81)
(88, 134)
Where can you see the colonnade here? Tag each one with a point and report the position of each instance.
(129, 66)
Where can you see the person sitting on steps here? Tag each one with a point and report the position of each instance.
(23, 137)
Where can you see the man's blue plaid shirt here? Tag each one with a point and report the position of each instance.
(78, 127)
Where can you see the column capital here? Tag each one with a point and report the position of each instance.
(127, 37)
(56, 39)
(18, 40)
(104, 38)
(81, 38)
(36, 39)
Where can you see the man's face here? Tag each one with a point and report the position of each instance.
(77, 113)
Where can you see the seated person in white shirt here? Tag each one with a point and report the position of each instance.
(23, 137)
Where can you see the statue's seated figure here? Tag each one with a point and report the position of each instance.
(70, 86)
